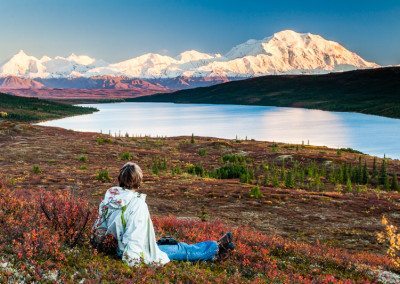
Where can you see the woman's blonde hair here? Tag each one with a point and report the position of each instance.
(130, 176)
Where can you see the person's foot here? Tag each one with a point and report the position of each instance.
(225, 239)
(225, 245)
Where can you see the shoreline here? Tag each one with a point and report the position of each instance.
(327, 142)
(129, 100)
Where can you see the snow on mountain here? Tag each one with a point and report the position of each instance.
(193, 55)
(189, 61)
(81, 59)
(153, 65)
(251, 47)
(290, 52)
(71, 66)
(26, 66)
(285, 52)
(147, 65)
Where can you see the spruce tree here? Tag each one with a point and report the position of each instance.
(283, 171)
(350, 172)
(341, 174)
(266, 179)
(395, 183)
(275, 181)
(365, 173)
(345, 173)
(383, 176)
(349, 186)
(302, 175)
(289, 181)
(374, 169)
(359, 171)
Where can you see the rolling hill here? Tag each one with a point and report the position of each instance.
(371, 91)
(33, 109)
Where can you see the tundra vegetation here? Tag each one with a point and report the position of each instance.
(34, 110)
(300, 214)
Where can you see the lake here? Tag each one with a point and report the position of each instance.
(367, 133)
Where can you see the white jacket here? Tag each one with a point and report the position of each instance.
(125, 214)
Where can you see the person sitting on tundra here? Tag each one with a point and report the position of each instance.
(124, 214)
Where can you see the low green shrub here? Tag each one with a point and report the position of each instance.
(159, 164)
(176, 170)
(247, 177)
(202, 152)
(36, 169)
(274, 147)
(125, 156)
(103, 176)
(234, 158)
(83, 158)
(103, 140)
(230, 171)
(350, 150)
(235, 167)
(255, 192)
(197, 170)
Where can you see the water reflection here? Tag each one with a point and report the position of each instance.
(296, 125)
(371, 134)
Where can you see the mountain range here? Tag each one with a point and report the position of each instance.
(285, 52)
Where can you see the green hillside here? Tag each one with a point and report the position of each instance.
(33, 110)
(372, 91)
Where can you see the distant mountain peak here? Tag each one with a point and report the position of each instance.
(45, 58)
(81, 59)
(288, 32)
(193, 55)
(21, 53)
(292, 52)
(285, 52)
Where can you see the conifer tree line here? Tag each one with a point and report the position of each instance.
(310, 175)
(314, 176)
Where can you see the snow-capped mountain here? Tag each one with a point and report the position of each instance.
(285, 52)
(23, 65)
(290, 52)
(152, 65)
(144, 66)
(193, 56)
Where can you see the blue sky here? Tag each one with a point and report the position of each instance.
(116, 29)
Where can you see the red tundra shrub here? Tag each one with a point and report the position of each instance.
(39, 243)
(70, 216)
(275, 257)
(44, 231)
(38, 226)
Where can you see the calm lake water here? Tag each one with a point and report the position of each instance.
(370, 134)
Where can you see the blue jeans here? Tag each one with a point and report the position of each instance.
(203, 251)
